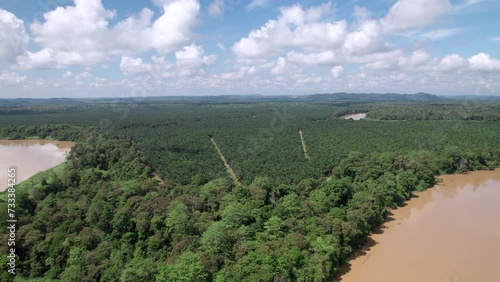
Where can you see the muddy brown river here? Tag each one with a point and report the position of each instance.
(449, 233)
(355, 116)
(30, 157)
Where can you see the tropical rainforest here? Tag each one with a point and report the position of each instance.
(227, 189)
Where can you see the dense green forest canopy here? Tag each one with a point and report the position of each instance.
(107, 215)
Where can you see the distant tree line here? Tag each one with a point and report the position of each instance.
(456, 110)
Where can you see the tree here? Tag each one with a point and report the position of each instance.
(274, 227)
(217, 239)
(186, 268)
(75, 271)
(139, 269)
(177, 221)
(234, 215)
(290, 205)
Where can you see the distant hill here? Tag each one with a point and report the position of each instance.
(316, 98)
(374, 97)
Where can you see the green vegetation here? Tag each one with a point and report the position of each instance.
(48, 131)
(38, 180)
(103, 216)
(456, 110)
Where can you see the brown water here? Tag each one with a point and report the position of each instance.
(355, 116)
(450, 233)
(30, 157)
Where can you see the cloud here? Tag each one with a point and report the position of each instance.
(11, 78)
(297, 15)
(452, 63)
(158, 68)
(216, 8)
(362, 14)
(173, 28)
(190, 60)
(309, 36)
(365, 39)
(295, 28)
(234, 75)
(221, 46)
(242, 72)
(321, 58)
(83, 76)
(406, 15)
(130, 35)
(83, 27)
(417, 58)
(134, 66)
(440, 34)
(48, 58)
(67, 74)
(257, 4)
(13, 36)
(36, 60)
(280, 66)
(420, 62)
(450, 74)
(483, 62)
(82, 34)
(252, 70)
(304, 49)
(336, 71)
(466, 3)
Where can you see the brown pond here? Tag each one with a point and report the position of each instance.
(355, 116)
(450, 233)
(30, 157)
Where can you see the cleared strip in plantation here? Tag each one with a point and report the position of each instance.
(157, 177)
(228, 167)
(304, 148)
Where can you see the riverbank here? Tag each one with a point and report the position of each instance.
(446, 233)
(30, 157)
(36, 180)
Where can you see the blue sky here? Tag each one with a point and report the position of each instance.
(112, 48)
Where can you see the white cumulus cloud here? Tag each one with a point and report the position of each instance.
(82, 34)
(417, 58)
(365, 39)
(409, 14)
(11, 78)
(452, 62)
(190, 60)
(295, 28)
(280, 66)
(193, 56)
(13, 36)
(158, 68)
(131, 65)
(336, 71)
(483, 62)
